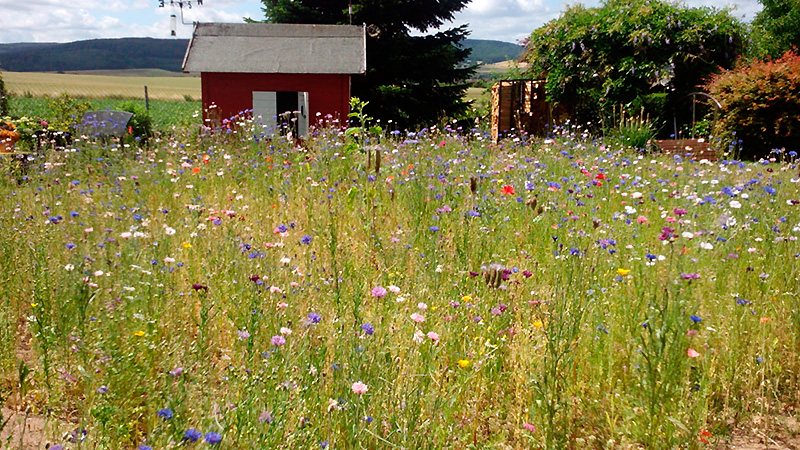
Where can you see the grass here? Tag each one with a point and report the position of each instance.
(167, 88)
(165, 114)
(532, 294)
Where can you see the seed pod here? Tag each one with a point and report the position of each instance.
(532, 202)
(473, 185)
(377, 161)
(493, 274)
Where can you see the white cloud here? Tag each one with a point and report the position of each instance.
(59, 21)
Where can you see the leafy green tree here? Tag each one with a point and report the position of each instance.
(633, 53)
(411, 79)
(776, 29)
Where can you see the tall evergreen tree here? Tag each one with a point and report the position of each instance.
(411, 79)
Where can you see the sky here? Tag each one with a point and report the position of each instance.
(66, 21)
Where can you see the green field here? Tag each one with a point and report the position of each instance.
(164, 114)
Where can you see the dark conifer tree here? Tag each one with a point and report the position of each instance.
(412, 79)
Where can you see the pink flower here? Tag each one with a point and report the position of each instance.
(359, 388)
(379, 291)
(671, 219)
(529, 427)
(422, 306)
(433, 336)
(417, 317)
(692, 353)
(641, 219)
(278, 340)
(394, 289)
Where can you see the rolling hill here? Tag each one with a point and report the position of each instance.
(164, 54)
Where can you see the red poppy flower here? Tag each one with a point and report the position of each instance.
(600, 176)
(507, 190)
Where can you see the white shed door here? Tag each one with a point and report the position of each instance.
(302, 116)
(265, 106)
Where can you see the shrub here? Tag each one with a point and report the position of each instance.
(67, 112)
(637, 53)
(141, 125)
(760, 104)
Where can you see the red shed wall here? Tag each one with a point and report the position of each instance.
(233, 92)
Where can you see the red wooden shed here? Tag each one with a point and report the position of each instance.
(277, 68)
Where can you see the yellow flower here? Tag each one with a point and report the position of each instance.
(538, 324)
(34, 305)
(139, 333)
(466, 298)
(187, 245)
(623, 272)
(463, 363)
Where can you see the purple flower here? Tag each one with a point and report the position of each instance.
(213, 438)
(176, 371)
(145, 447)
(368, 328)
(690, 276)
(696, 319)
(198, 287)
(278, 340)
(306, 239)
(314, 317)
(679, 212)
(166, 413)
(192, 435)
(379, 291)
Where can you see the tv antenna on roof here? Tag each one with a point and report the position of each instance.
(180, 4)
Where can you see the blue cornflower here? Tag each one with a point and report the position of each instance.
(145, 447)
(165, 413)
(306, 239)
(434, 228)
(192, 435)
(73, 214)
(368, 328)
(70, 246)
(314, 317)
(213, 438)
(282, 228)
(137, 217)
(696, 319)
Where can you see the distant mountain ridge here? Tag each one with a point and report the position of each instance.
(165, 54)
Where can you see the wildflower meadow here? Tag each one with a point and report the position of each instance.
(222, 288)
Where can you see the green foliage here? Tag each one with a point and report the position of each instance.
(761, 104)
(776, 28)
(411, 80)
(3, 97)
(633, 131)
(67, 112)
(627, 50)
(141, 124)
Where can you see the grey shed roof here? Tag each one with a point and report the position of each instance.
(276, 48)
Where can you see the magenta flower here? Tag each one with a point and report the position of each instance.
(278, 340)
(379, 291)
